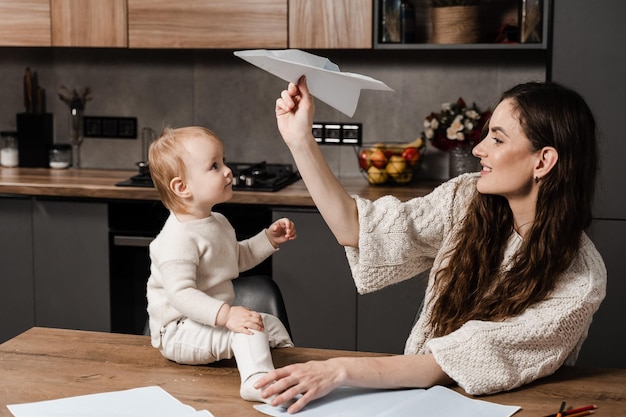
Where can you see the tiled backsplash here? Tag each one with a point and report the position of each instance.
(213, 88)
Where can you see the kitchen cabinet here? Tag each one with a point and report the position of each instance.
(25, 23)
(385, 317)
(71, 264)
(54, 265)
(324, 308)
(314, 278)
(330, 24)
(89, 23)
(80, 23)
(583, 34)
(207, 24)
(16, 272)
(493, 15)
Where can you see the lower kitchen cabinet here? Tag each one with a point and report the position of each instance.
(386, 317)
(71, 264)
(17, 307)
(324, 308)
(54, 265)
(604, 346)
(314, 278)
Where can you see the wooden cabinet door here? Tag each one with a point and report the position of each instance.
(89, 23)
(25, 23)
(207, 24)
(327, 24)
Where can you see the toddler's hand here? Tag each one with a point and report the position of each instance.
(281, 231)
(243, 320)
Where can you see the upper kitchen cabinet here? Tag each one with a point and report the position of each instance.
(25, 23)
(330, 24)
(446, 24)
(207, 24)
(89, 23)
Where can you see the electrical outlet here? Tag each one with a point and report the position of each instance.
(328, 133)
(110, 127)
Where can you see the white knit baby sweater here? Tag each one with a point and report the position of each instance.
(399, 240)
(192, 266)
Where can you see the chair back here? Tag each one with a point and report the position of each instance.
(261, 293)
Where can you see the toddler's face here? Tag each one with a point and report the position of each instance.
(207, 176)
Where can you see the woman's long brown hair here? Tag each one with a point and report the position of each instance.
(474, 285)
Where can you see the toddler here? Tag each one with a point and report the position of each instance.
(196, 256)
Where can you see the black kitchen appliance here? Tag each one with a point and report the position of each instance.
(261, 176)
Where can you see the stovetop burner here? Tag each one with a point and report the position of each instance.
(246, 177)
(262, 176)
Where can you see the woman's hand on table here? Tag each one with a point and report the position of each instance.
(309, 381)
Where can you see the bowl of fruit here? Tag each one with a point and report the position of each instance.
(391, 163)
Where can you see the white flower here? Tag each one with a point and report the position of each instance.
(451, 133)
(472, 114)
(469, 125)
(460, 136)
(434, 124)
(455, 127)
(426, 124)
(429, 133)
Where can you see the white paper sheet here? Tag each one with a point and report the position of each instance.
(437, 401)
(326, 82)
(137, 402)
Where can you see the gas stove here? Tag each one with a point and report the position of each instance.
(259, 176)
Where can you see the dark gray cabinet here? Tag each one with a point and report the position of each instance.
(313, 275)
(71, 265)
(324, 308)
(54, 265)
(17, 308)
(386, 317)
(588, 57)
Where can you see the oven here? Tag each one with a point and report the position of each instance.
(132, 226)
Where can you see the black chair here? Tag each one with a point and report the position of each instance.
(259, 293)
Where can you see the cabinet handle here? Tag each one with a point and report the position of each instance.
(138, 241)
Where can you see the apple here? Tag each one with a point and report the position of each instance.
(378, 158)
(411, 155)
(376, 175)
(364, 159)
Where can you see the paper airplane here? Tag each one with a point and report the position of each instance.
(326, 82)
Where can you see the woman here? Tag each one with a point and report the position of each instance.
(514, 280)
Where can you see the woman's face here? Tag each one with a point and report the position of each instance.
(506, 156)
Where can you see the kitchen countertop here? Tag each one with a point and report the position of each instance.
(100, 184)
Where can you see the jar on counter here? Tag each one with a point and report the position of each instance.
(9, 154)
(60, 156)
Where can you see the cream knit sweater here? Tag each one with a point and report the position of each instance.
(192, 266)
(399, 240)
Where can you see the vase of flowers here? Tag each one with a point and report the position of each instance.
(456, 129)
(455, 21)
(76, 103)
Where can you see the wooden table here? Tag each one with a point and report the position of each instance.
(43, 364)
